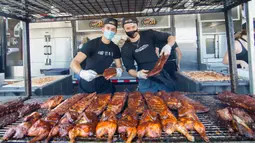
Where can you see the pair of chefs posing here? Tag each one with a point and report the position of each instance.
(99, 54)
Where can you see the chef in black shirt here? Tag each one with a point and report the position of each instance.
(99, 54)
(140, 47)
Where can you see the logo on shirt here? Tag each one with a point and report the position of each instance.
(141, 48)
(105, 53)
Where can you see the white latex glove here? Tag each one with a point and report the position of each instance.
(166, 50)
(88, 75)
(142, 74)
(119, 72)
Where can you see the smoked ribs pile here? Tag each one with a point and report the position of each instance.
(239, 116)
(131, 115)
(13, 110)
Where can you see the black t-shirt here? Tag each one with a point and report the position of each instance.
(143, 51)
(99, 57)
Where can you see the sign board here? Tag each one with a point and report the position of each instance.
(156, 22)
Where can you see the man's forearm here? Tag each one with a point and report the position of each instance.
(179, 61)
(179, 58)
(133, 73)
(75, 66)
(171, 40)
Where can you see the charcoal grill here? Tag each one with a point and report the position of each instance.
(215, 131)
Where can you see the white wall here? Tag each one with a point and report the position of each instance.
(61, 42)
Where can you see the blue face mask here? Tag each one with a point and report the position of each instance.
(109, 34)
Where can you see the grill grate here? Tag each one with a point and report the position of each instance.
(214, 130)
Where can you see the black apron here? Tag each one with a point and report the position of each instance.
(99, 85)
(171, 67)
(164, 77)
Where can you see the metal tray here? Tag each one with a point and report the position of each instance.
(185, 83)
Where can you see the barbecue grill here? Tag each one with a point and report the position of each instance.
(215, 130)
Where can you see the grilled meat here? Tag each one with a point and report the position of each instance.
(20, 131)
(65, 124)
(33, 116)
(99, 104)
(168, 121)
(107, 126)
(109, 73)
(9, 133)
(86, 125)
(170, 125)
(225, 114)
(8, 119)
(108, 122)
(53, 118)
(117, 102)
(62, 108)
(67, 121)
(238, 120)
(28, 108)
(243, 101)
(149, 125)
(188, 118)
(81, 105)
(10, 107)
(127, 125)
(39, 130)
(52, 102)
(60, 130)
(158, 66)
(69, 117)
(155, 103)
(205, 76)
(173, 101)
(42, 127)
(136, 102)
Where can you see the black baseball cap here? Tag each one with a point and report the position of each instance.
(111, 21)
(129, 20)
(244, 25)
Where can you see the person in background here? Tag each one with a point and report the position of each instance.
(176, 54)
(99, 54)
(83, 41)
(140, 48)
(241, 49)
